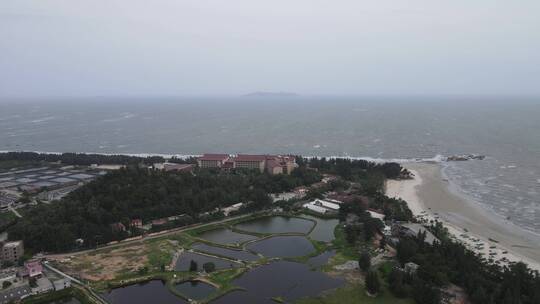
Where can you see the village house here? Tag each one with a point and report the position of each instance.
(326, 204)
(159, 222)
(32, 269)
(412, 230)
(316, 208)
(12, 251)
(322, 206)
(61, 284)
(411, 268)
(118, 227)
(136, 223)
(376, 214)
(232, 208)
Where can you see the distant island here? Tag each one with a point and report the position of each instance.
(271, 94)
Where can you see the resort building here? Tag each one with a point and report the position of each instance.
(250, 161)
(212, 160)
(273, 164)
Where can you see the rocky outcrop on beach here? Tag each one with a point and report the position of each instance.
(465, 157)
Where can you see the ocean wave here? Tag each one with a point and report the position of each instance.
(124, 116)
(43, 119)
(435, 159)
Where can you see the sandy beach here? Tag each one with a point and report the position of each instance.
(431, 197)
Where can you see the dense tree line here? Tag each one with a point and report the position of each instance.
(139, 193)
(363, 227)
(447, 262)
(393, 209)
(370, 175)
(349, 167)
(82, 159)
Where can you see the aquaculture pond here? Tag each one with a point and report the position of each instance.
(144, 293)
(282, 246)
(183, 262)
(195, 290)
(276, 224)
(324, 230)
(234, 254)
(225, 236)
(287, 280)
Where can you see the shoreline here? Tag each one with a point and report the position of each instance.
(437, 158)
(431, 197)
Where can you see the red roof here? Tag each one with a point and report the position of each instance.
(248, 157)
(217, 157)
(273, 163)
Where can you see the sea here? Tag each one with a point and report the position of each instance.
(504, 129)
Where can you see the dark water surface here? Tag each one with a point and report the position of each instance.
(195, 290)
(225, 236)
(288, 280)
(144, 293)
(324, 230)
(276, 224)
(184, 261)
(283, 246)
(235, 254)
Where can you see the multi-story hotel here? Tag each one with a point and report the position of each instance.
(212, 160)
(273, 164)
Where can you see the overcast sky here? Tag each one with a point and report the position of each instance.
(186, 47)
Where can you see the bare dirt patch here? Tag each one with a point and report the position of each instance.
(107, 264)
